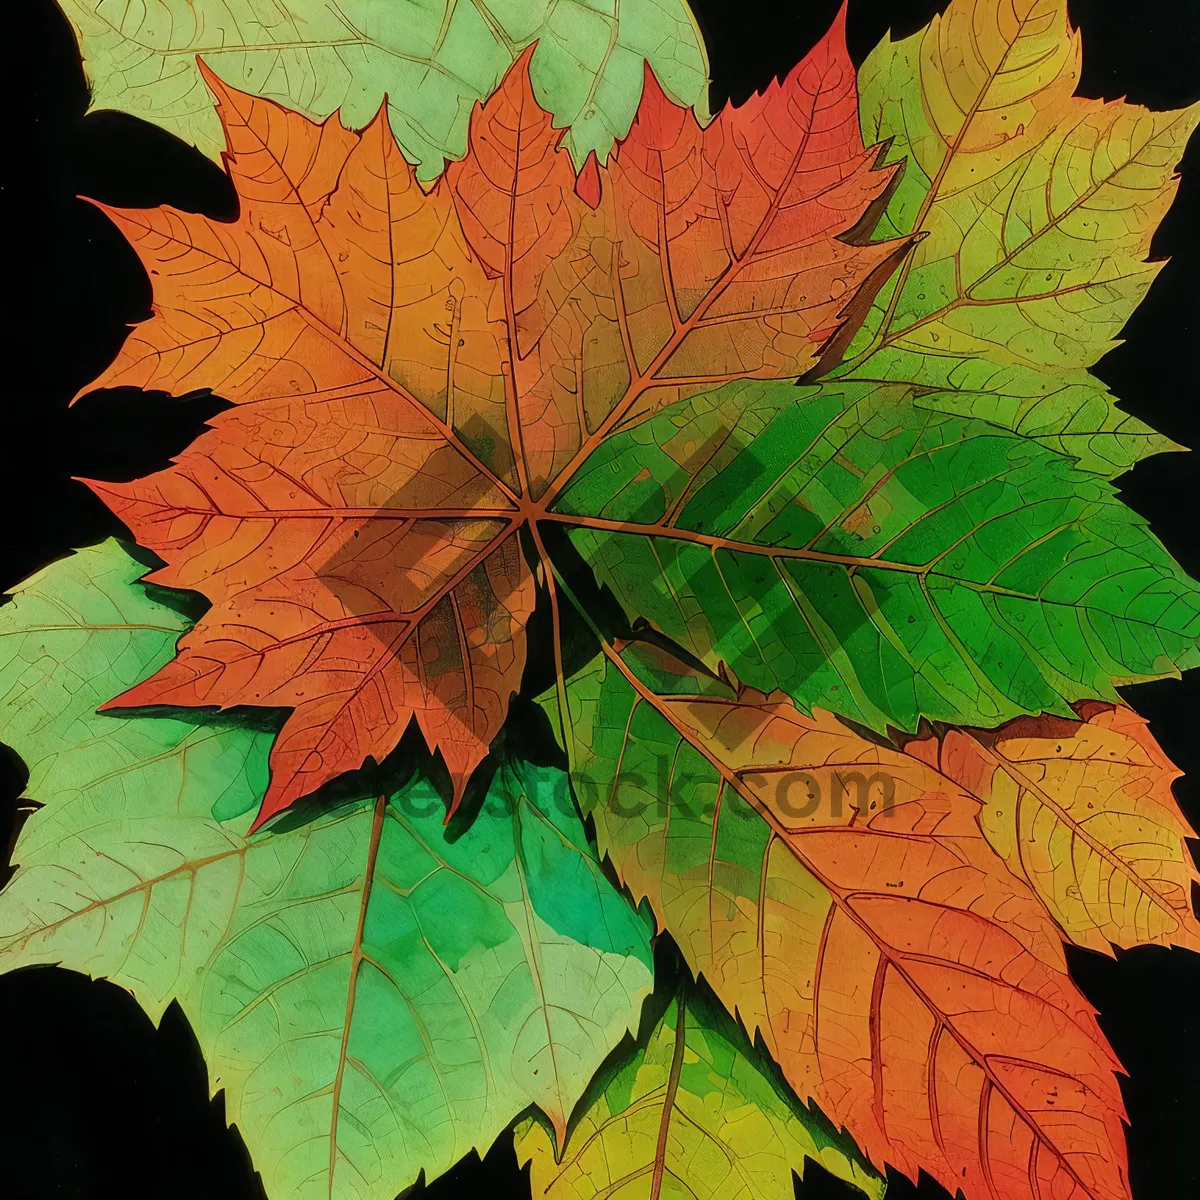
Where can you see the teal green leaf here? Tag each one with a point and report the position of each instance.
(431, 59)
(375, 997)
(697, 1089)
(878, 559)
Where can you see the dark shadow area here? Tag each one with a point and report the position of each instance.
(106, 1105)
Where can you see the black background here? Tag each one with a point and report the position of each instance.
(99, 1102)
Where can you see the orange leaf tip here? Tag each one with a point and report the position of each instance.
(587, 183)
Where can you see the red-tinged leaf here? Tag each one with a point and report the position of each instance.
(587, 186)
(362, 562)
(418, 374)
(661, 275)
(796, 146)
(841, 897)
(512, 192)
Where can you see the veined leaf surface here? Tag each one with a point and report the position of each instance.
(417, 375)
(431, 60)
(879, 544)
(375, 998)
(841, 898)
(1083, 812)
(1036, 207)
(1069, 410)
(690, 1115)
(880, 559)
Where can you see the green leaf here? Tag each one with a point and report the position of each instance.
(375, 998)
(1037, 209)
(878, 559)
(431, 59)
(1038, 205)
(1070, 412)
(696, 1090)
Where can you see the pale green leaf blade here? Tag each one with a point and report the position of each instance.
(696, 1088)
(432, 59)
(375, 998)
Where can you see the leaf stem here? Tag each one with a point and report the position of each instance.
(660, 1153)
(356, 958)
(565, 727)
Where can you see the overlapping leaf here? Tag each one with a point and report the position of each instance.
(880, 559)
(841, 897)
(1037, 207)
(375, 998)
(1069, 411)
(1083, 812)
(854, 552)
(690, 1115)
(409, 393)
(431, 60)
(424, 383)
(696, 256)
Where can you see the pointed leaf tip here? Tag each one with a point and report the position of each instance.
(223, 91)
(587, 184)
(519, 75)
(458, 784)
(659, 122)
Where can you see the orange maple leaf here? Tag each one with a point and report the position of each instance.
(418, 374)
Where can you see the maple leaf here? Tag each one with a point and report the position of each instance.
(373, 996)
(417, 376)
(695, 1114)
(841, 897)
(428, 64)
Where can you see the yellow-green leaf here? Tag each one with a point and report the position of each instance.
(1037, 205)
(692, 1115)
